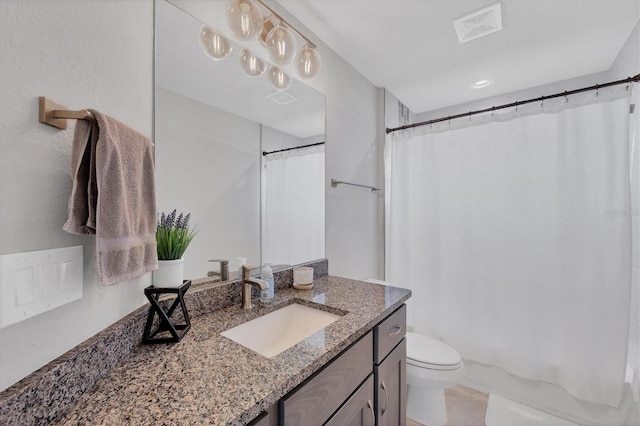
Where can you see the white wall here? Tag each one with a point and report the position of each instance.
(82, 54)
(208, 164)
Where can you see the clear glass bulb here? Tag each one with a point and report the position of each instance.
(281, 44)
(251, 65)
(214, 44)
(308, 62)
(245, 19)
(279, 80)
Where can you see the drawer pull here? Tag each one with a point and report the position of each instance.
(373, 414)
(386, 398)
(394, 330)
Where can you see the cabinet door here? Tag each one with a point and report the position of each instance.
(391, 388)
(317, 399)
(358, 410)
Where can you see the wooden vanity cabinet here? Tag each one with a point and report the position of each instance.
(317, 399)
(391, 388)
(390, 370)
(358, 410)
(363, 386)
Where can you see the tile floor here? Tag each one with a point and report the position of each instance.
(465, 407)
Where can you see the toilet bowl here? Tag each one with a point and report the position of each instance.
(432, 366)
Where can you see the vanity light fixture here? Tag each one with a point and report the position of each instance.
(251, 65)
(246, 21)
(308, 62)
(281, 44)
(279, 80)
(214, 44)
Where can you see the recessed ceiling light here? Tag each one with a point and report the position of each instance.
(480, 84)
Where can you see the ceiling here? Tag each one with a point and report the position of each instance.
(410, 47)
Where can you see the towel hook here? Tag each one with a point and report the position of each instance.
(56, 115)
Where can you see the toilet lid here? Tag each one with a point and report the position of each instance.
(427, 350)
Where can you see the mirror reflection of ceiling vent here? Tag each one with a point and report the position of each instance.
(282, 98)
(479, 23)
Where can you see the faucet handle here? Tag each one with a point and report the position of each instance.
(224, 268)
(246, 271)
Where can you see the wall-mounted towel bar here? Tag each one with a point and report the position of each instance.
(335, 183)
(56, 115)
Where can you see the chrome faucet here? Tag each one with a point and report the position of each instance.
(224, 270)
(247, 281)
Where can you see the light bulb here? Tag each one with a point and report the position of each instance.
(308, 62)
(214, 44)
(279, 80)
(281, 44)
(244, 19)
(251, 65)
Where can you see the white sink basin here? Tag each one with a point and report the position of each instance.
(279, 330)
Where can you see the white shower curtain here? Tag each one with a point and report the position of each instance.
(294, 206)
(512, 234)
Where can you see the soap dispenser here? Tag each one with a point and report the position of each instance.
(267, 294)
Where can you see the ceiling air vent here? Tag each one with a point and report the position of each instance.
(282, 98)
(479, 23)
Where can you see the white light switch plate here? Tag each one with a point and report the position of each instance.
(37, 281)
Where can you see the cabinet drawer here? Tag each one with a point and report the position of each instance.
(320, 397)
(389, 333)
(358, 410)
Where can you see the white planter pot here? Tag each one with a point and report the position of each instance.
(169, 273)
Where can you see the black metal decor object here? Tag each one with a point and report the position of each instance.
(177, 331)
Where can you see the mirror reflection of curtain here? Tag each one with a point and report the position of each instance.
(294, 206)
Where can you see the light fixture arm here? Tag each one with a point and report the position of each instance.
(284, 21)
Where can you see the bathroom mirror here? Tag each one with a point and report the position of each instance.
(212, 126)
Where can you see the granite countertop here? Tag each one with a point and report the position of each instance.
(209, 379)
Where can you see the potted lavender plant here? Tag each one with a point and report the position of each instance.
(173, 237)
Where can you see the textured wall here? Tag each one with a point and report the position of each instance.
(91, 53)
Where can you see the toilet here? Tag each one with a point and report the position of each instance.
(432, 367)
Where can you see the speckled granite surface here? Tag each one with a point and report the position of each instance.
(209, 379)
(205, 379)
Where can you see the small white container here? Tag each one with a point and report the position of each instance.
(302, 275)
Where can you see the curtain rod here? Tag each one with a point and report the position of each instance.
(627, 80)
(291, 149)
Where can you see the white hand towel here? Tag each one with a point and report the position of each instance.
(113, 196)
